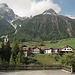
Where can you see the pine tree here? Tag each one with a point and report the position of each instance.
(6, 52)
(0, 61)
(18, 58)
(12, 62)
(15, 51)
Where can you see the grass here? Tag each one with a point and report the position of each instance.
(48, 44)
(70, 42)
(46, 59)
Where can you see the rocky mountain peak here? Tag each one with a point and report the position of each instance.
(3, 5)
(6, 12)
(50, 11)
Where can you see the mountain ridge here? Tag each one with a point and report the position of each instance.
(46, 26)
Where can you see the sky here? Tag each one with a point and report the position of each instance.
(35, 7)
(67, 6)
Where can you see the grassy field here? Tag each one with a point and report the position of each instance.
(48, 44)
(46, 59)
(70, 42)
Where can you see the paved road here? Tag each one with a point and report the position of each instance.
(37, 72)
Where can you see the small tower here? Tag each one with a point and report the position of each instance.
(6, 40)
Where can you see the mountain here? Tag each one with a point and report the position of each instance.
(50, 11)
(5, 27)
(70, 16)
(46, 27)
(7, 15)
(6, 12)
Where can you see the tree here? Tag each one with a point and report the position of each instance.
(18, 58)
(6, 52)
(0, 61)
(12, 62)
(15, 51)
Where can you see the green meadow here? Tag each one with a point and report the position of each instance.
(46, 59)
(49, 44)
(70, 42)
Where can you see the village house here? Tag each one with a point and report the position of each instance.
(65, 49)
(47, 51)
(26, 50)
(35, 50)
(51, 51)
(38, 49)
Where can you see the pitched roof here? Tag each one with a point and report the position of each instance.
(66, 46)
(24, 46)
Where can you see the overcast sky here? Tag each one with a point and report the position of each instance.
(31, 7)
(34, 7)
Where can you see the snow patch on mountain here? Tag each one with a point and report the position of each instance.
(70, 16)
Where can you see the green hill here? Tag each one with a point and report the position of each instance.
(63, 42)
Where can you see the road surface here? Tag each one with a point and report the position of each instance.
(37, 72)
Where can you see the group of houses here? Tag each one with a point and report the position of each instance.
(42, 50)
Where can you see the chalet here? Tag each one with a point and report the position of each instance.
(65, 49)
(51, 51)
(35, 50)
(48, 51)
(26, 50)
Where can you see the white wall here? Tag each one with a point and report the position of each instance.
(67, 49)
(48, 51)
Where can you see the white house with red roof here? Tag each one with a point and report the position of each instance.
(66, 49)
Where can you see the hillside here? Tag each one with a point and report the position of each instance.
(5, 27)
(47, 27)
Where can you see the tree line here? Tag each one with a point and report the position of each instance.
(11, 55)
(14, 56)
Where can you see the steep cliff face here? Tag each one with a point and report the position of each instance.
(6, 12)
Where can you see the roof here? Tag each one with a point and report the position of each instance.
(39, 47)
(24, 46)
(73, 51)
(42, 48)
(66, 46)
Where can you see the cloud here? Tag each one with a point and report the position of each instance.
(31, 7)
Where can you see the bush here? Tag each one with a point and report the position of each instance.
(68, 59)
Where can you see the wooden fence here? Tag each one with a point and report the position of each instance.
(68, 68)
(28, 67)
